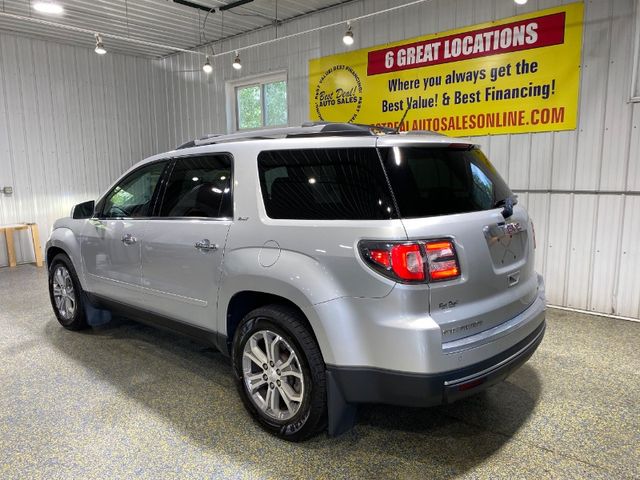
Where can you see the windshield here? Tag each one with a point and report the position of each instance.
(431, 181)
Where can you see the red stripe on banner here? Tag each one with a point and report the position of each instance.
(510, 37)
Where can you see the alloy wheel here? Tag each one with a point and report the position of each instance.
(273, 375)
(63, 292)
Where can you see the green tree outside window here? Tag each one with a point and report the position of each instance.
(262, 105)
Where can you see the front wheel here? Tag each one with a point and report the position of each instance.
(65, 293)
(280, 372)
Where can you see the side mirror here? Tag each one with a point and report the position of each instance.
(83, 210)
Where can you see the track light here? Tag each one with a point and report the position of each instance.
(348, 36)
(51, 8)
(236, 63)
(100, 50)
(207, 68)
(520, 2)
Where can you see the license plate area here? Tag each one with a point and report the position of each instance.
(506, 242)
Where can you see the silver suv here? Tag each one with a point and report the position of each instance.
(336, 264)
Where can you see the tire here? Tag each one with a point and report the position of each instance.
(67, 302)
(302, 378)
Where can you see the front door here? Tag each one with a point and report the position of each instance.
(184, 243)
(111, 242)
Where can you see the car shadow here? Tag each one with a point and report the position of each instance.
(192, 387)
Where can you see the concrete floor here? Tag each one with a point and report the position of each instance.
(125, 400)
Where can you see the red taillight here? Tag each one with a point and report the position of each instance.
(407, 261)
(411, 262)
(381, 257)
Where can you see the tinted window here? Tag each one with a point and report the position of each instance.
(133, 196)
(199, 187)
(325, 184)
(441, 181)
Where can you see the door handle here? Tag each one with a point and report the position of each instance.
(206, 246)
(129, 239)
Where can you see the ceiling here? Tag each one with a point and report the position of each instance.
(163, 22)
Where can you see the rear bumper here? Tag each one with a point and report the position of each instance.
(372, 385)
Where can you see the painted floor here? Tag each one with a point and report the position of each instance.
(129, 401)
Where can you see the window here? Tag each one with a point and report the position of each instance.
(322, 184)
(133, 196)
(442, 181)
(262, 103)
(199, 187)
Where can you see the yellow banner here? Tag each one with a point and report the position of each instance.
(516, 75)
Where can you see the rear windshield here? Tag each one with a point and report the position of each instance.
(428, 181)
(325, 184)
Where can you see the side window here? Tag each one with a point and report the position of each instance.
(132, 197)
(325, 184)
(199, 187)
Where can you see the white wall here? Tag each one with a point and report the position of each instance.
(70, 122)
(582, 187)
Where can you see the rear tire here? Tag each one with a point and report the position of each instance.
(280, 373)
(66, 294)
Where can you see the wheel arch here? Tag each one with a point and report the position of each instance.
(64, 240)
(52, 252)
(237, 305)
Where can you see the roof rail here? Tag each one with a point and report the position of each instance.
(423, 132)
(334, 128)
(308, 129)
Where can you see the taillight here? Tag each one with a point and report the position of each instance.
(441, 257)
(412, 262)
(407, 262)
(381, 257)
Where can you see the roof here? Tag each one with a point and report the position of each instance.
(310, 129)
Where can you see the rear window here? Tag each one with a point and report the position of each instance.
(442, 181)
(325, 184)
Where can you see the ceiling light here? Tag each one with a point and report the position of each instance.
(520, 2)
(51, 8)
(236, 63)
(207, 68)
(100, 50)
(348, 36)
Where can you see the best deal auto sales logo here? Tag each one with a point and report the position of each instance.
(338, 96)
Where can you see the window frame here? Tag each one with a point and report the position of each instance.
(99, 210)
(254, 80)
(167, 175)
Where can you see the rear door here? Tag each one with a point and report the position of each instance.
(110, 242)
(184, 241)
(453, 192)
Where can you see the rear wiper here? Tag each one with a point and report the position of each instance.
(508, 204)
